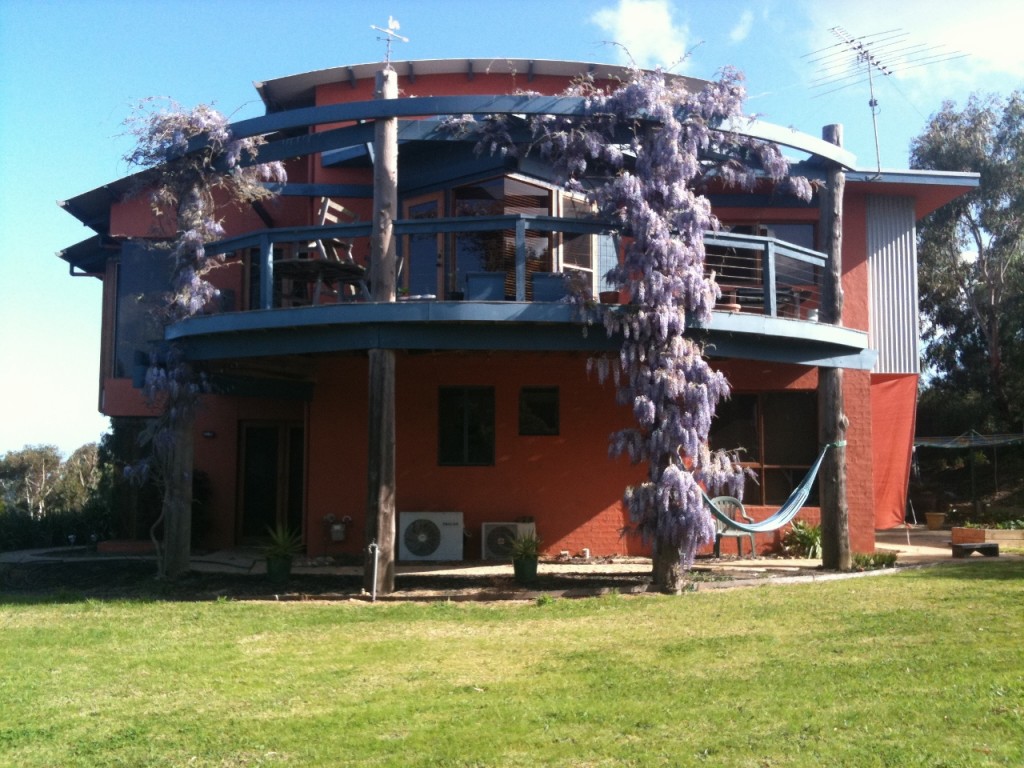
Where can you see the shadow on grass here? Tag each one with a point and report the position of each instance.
(124, 579)
(974, 568)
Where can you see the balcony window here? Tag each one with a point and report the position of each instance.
(496, 251)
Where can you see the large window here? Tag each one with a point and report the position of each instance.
(465, 426)
(496, 251)
(777, 436)
(143, 277)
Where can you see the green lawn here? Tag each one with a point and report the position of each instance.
(922, 668)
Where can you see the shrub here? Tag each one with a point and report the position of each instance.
(802, 540)
(870, 561)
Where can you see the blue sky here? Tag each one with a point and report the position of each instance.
(71, 70)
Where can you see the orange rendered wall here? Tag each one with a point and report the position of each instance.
(856, 312)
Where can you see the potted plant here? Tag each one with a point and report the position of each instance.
(284, 545)
(525, 554)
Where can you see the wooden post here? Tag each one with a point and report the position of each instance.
(832, 421)
(380, 502)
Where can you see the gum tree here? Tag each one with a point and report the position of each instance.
(193, 165)
(647, 153)
(971, 253)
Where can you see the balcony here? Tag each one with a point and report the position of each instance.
(771, 294)
(312, 266)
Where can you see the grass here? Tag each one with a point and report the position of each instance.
(920, 668)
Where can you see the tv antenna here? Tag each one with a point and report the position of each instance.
(389, 36)
(849, 61)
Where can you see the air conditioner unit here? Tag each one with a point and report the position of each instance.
(496, 538)
(430, 535)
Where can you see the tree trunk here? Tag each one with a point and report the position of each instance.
(380, 508)
(177, 502)
(832, 421)
(835, 523)
(667, 571)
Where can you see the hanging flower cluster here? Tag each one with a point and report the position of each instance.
(192, 162)
(193, 157)
(646, 152)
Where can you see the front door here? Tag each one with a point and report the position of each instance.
(273, 469)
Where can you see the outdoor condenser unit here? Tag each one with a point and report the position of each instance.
(430, 535)
(496, 539)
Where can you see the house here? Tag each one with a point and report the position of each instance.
(498, 420)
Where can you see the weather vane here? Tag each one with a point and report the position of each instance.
(390, 35)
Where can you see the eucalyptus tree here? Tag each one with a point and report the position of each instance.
(971, 253)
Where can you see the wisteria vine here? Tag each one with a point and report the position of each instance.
(646, 152)
(187, 179)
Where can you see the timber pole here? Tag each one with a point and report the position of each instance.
(832, 421)
(380, 511)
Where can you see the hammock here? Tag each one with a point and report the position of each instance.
(786, 512)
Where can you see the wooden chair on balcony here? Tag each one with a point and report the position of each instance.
(334, 249)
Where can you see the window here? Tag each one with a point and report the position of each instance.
(465, 426)
(778, 435)
(495, 251)
(143, 277)
(538, 411)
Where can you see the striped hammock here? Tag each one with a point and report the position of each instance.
(786, 512)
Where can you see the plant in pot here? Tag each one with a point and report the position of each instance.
(525, 554)
(284, 545)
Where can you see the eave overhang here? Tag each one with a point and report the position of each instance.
(299, 90)
(930, 190)
(493, 326)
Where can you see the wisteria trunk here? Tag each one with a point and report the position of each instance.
(667, 571)
(177, 503)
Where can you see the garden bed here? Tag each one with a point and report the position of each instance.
(1012, 538)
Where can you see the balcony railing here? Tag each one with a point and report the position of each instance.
(756, 274)
(765, 275)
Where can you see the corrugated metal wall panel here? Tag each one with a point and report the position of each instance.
(892, 270)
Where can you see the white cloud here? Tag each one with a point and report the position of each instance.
(982, 32)
(646, 31)
(740, 32)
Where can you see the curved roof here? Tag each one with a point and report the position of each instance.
(298, 90)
